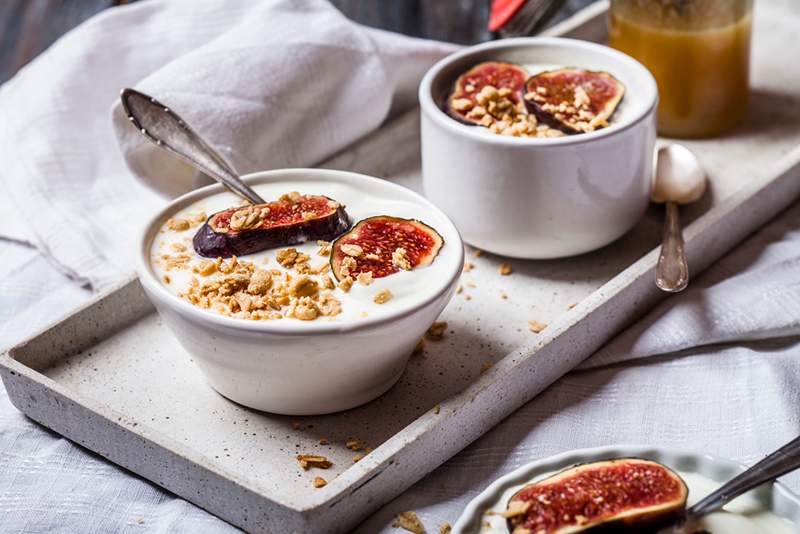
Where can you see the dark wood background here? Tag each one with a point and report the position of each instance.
(29, 26)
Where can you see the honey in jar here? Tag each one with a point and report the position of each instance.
(699, 54)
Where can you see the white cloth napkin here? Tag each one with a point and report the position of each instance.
(270, 83)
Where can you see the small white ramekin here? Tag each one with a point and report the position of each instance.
(540, 198)
(294, 368)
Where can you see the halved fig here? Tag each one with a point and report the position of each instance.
(384, 245)
(470, 103)
(625, 495)
(573, 100)
(292, 219)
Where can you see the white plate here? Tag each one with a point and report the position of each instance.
(774, 497)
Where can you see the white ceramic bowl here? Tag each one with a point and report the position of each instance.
(299, 368)
(540, 198)
(775, 497)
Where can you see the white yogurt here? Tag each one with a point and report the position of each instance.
(744, 515)
(409, 288)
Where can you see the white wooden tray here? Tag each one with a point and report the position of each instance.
(112, 378)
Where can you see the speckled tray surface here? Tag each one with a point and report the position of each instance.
(112, 378)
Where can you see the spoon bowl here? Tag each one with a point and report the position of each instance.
(679, 179)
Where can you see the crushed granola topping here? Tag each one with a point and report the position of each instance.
(346, 284)
(400, 259)
(383, 297)
(307, 461)
(287, 257)
(436, 331)
(364, 278)
(324, 248)
(347, 264)
(409, 521)
(178, 225)
(352, 250)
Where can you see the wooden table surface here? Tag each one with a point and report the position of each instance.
(29, 26)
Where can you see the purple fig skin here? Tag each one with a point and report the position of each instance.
(213, 244)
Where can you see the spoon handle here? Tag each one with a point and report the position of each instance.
(672, 272)
(166, 129)
(780, 462)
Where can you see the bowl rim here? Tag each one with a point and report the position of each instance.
(189, 311)
(706, 463)
(438, 115)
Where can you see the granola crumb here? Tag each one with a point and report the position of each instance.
(572, 305)
(352, 250)
(445, 528)
(167, 279)
(503, 295)
(419, 349)
(365, 278)
(478, 253)
(460, 288)
(178, 225)
(324, 248)
(323, 441)
(347, 265)
(296, 425)
(358, 457)
(178, 247)
(320, 482)
(287, 257)
(409, 521)
(535, 326)
(437, 409)
(346, 284)
(400, 259)
(304, 286)
(205, 267)
(436, 331)
(307, 461)
(486, 366)
(505, 269)
(383, 297)
(468, 266)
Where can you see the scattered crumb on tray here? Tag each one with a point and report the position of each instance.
(307, 461)
(486, 366)
(319, 482)
(468, 266)
(535, 326)
(409, 521)
(505, 269)
(436, 331)
(445, 528)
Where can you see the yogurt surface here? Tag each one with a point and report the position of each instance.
(744, 515)
(408, 288)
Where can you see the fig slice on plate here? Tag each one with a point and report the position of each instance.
(625, 495)
(384, 245)
(573, 100)
(292, 219)
(486, 91)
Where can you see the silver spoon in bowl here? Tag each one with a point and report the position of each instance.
(777, 464)
(166, 129)
(679, 179)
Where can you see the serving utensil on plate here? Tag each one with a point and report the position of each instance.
(777, 464)
(679, 179)
(166, 129)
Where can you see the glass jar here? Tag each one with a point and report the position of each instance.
(699, 53)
